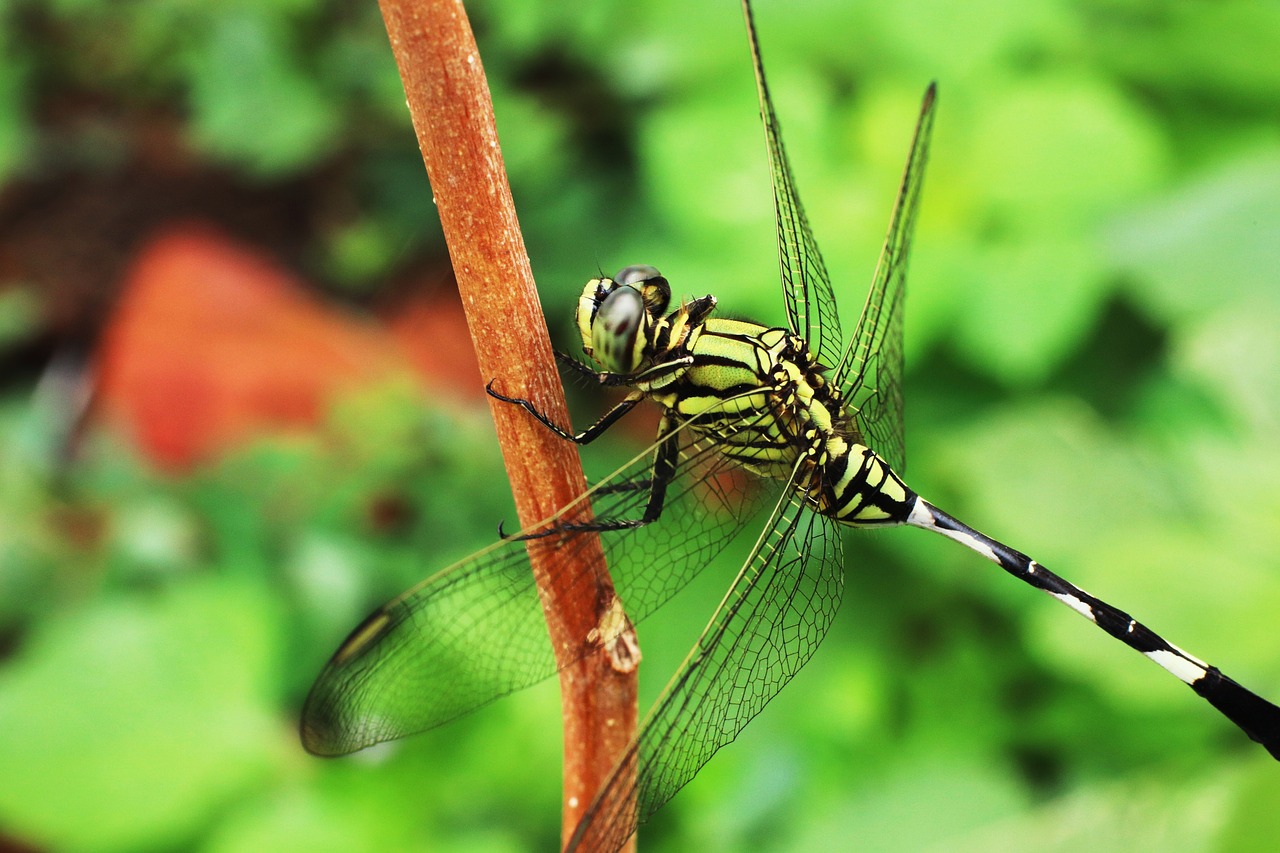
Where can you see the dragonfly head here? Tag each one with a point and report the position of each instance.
(615, 316)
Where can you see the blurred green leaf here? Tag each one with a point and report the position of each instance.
(1208, 243)
(15, 128)
(253, 104)
(162, 700)
(1218, 51)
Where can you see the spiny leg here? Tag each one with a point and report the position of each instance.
(1257, 717)
(575, 366)
(589, 434)
(665, 465)
(613, 380)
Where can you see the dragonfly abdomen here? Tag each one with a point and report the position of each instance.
(860, 489)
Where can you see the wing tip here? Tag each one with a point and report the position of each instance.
(930, 97)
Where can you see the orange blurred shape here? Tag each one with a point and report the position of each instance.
(211, 343)
(431, 330)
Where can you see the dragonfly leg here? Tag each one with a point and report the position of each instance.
(652, 374)
(637, 485)
(1257, 717)
(574, 364)
(663, 472)
(584, 372)
(589, 434)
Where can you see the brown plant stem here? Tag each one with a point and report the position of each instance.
(452, 114)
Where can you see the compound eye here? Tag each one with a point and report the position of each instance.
(636, 274)
(615, 341)
(652, 285)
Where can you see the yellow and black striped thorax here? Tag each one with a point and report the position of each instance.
(755, 392)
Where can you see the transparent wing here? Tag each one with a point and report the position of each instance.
(806, 287)
(475, 631)
(767, 627)
(870, 370)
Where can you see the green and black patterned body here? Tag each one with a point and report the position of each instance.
(755, 392)
(784, 414)
(815, 418)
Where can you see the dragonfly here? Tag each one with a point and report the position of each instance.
(787, 432)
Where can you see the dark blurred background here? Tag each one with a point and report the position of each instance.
(238, 408)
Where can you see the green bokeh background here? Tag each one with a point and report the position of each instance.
(1093, 376)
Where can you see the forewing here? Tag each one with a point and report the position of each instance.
(475, 631)
(806, 287)
(870, 370)
(766, 628)
(462, 638)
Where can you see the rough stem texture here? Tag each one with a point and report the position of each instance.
(452, 114)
